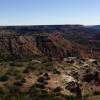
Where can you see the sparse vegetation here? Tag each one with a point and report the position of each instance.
(55, 71)
(31, 66)
(37, 81)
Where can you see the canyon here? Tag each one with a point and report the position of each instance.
(55, 62)
(52, 41)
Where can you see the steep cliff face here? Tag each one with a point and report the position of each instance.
(47, 47)
(56, 46)
(27, 46)
(17, 47)
(77, 40)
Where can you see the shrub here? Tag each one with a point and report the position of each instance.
(57, 89)
(12, 63)
(48, 66)
(96, 93)
(45, 74)
(47, 78)
(26, 71)
(41, 79)
(13, 72)
(1, 91)
(4, 78)
(18, 83)
(23, 80)
(55, 71)
(38, 85)
(14, 90)
(30, 66)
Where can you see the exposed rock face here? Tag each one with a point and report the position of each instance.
(72, 40)
(17, 47)
(27, 46)
(47, 47)
(94, 76)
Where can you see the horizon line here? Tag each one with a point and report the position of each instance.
(47, 25)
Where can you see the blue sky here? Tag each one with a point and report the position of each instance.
(41, 12)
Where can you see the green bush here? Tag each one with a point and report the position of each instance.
(96, 93)
(18, 83)
(14, 90)
(1, 91)
(39, 85)
(41, 79)
(4, 78)
(26, 70)
(13, 72)
(55, 71)
(48, 66)
(12, 63)
(30, 66)
(58, 89)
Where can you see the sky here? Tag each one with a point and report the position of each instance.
(49, 12)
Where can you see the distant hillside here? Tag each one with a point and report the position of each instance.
(54, 41)
(95, 27)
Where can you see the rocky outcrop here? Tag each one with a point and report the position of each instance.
(74, 88)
